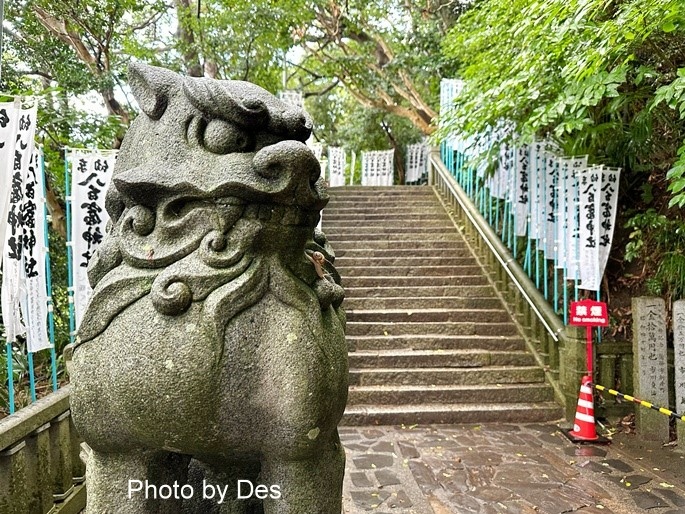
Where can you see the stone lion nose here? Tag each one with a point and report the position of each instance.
(298, 124)
(289, 160)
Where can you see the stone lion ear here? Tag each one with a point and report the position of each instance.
(151, 87)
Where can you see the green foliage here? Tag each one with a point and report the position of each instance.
(601, 77)
(658, 241)
(584, 71)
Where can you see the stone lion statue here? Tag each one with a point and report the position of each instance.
(214, 333)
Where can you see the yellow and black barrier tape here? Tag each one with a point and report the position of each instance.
(649, 405)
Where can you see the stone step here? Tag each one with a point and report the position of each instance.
(402, 228)
(421, 414)
(338, 216)
(379, 189)
(362, 359)
(390, 225)
(430, 340)
(429, 315)
(375, 202)
(471, 393)
(394, 244)
(342, 207)
(453, 328)
(390, 209)
(371, 211)
(447, 376)
(435, 342)
(442, 235)
(385, 291)
(383, 197)
(373, 269)
(347, 262)
(398, 253)
(426, 302)
(392, 200)
(390, 281)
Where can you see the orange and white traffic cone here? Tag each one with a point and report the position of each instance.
(584, 426)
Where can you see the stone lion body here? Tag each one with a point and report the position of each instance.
(210, 334)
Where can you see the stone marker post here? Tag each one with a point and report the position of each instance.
(650, 370)
(679, 346)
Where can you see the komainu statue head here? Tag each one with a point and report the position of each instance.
(214, 331)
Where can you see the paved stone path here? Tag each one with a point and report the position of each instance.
(499, 469)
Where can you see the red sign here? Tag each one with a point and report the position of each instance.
(588, 313)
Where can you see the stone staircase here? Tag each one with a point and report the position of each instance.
(430, 341)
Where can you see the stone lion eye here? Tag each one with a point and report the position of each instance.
(221, 137)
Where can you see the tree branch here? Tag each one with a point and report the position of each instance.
(59, 29)
(36, 72)
(325, 90)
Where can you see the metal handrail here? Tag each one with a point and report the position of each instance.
(496, 247)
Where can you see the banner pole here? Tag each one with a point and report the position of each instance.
(48, 276)
(545, 276)
(2, 35)
(528, 263)
(10, 377)
(70, 256)
(556, 286)
(599, 329)
(588, 335)
(32, 376)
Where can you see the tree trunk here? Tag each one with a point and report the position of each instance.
(186, 37)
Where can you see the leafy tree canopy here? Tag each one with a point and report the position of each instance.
(604, 78)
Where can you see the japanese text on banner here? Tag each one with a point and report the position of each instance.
(91, 174)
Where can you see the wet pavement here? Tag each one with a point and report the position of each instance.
(505, 469)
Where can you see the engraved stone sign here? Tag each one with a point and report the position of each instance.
(679, 354)
(650, 370)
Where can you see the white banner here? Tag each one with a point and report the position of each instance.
(502, 173)
(511, 178)
(9, 117)
(35, 302)
(13, 277)
(534, 178)
(417, 162)
(91, 172)
(292, 98)
(377, 168)
(449, 90)
(336, 166)
(317, 150)
(588, 192)
(551, 210)
(607, 214)
(522, 190)
(481, 146)
(562, 210)
(577, 164)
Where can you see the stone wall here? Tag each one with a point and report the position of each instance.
(40, 468)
